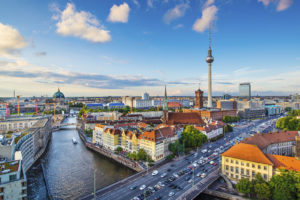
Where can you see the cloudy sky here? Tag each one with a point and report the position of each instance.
(126, 47)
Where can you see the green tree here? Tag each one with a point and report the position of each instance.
(285, 186)
(262, 191)
(244, 186)
(118, 149)
(142, 155)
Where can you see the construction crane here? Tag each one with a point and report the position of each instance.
(18, 101)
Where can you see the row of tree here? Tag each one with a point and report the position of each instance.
(229, 119)
(140, 155)
(290, 122)
(283, 186)
(190, 138)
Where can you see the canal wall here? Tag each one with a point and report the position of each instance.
(46, 182)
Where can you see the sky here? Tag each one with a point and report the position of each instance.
(127, 47)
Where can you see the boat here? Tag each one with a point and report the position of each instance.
(74, 141)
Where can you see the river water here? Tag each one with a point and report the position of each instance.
(70, 169)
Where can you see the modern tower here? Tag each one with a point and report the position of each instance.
(245, 91)
(166, 99)
(209, 60)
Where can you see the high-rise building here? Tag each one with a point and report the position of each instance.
(145, 96)
(245, 91)
(209, 60)
(199, 99)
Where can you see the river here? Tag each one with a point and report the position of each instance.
(70, 169)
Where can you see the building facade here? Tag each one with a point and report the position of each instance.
(245, 91)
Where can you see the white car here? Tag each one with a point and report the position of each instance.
(199, 174)
(142, 187)
(155, 172)
(203, 175)
(163, 175)
(176, 175)
(171, 194)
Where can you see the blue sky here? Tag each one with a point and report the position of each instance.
(100, 47)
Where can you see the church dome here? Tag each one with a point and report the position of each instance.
(58, 95)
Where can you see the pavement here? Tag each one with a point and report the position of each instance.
(186, 181)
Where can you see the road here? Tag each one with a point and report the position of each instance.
(188, 179)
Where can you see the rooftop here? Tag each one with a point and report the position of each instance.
(286, 162)
(247, 152)
(9, 167)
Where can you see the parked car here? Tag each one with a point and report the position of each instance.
(163, 175)
(133, 187)
(171, 194)
(203, 175)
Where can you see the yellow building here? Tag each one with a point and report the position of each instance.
(111, 138)
(246, 160)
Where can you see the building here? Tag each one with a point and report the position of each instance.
(272, 110)
(94, 105)
(212, 130)
(145, 96)
(178, 118)
(198, 99)
(12, 181)
(249, 113)
(115, 105)
(142, 103)
(245, 91)
(59, 97)
(246, 160)
(212, 114)
(227, 104)
(175, 105)
(128, 101)
(280, 143)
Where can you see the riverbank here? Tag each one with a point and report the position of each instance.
(120, 159)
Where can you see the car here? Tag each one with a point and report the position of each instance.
(171, 194)
(211, 162)
(163, 175)
(190, 181)
(187, 178)
(142, 187)
(169, 169)
(151, 189)
(179, 188)
(203, 175)
(135, 198)
(198, 174)
(157, 198)
(133, 187)
(161, 184)
(175, 175)
(215, 164)
(154, 173)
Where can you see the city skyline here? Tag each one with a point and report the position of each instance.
(127, 47)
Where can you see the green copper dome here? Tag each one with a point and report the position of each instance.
(58, 95)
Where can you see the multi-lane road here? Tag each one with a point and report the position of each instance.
(183, 181)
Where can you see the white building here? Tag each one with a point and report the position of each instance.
(12, 182)
(141, 103)
(212, 130)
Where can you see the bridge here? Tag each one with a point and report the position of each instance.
(59, 126)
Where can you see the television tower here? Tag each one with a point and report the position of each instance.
(209, 60)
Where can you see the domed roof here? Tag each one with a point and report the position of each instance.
(58, 95)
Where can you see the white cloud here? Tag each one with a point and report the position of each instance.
(119, 13)
(280, 4)
(208, 15)
(208, 3)
(178, 26)
(175, 13)
(150, 3)
(284, 4)
(10, 40)
(136, 2)
(81, 24)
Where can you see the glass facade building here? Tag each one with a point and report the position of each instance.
(245, 91)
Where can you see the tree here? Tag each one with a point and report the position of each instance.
(118, 149)
(262, 190)
(286, 185)
(244, 186)
(142, 155)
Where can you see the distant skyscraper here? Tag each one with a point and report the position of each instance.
(245, 91)
(145, 96)
(209, 60)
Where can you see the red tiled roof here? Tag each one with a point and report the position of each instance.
(264, 140)
(175, 105)
(159, 134)
(247, 152)
(286, 162)
(184, 118)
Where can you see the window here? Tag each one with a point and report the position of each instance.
(227, 167)
(265, 176)
(12, 177)
(247, 172)
(226, 160)
(253, 173)
(237, 176)
(231, 161)
(237, 162)
(231, 169)
(227, 173)
(258, 166)
(242, 163)
(242, 171)
(247, 164)
(237, 170)
(231, 175)
(265, 167)
(253, 166)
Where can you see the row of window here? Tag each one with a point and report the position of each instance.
(246, 172)
(247, 164)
